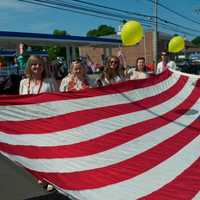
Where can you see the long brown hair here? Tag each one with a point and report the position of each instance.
(108, 72)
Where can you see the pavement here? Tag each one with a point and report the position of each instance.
(17, 184)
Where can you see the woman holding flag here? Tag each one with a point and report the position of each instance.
(113, 72)
(76, 79)
(36, 81)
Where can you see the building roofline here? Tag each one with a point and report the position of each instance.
(36, 38)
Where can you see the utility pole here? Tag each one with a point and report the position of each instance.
(155, 33)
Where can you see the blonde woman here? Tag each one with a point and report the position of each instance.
(76, 79)
(36, 81)
(112, 73)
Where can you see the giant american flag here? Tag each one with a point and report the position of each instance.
(137, 139)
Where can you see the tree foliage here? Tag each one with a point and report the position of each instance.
(196, 41)
(102, 30)
(55, 51)
(60, 32)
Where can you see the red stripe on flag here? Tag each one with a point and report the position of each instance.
(101, 177)
(107, 141)
(91, 92)
(69, 120)
(184, 187)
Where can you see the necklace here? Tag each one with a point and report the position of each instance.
(29, 84)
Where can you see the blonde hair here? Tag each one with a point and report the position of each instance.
(30, 60)
(78, 61)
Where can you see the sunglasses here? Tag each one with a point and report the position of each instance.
(114, 62)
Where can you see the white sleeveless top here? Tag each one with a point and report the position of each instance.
(134, 75)
(48, 85)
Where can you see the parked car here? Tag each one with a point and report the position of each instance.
(188, 66)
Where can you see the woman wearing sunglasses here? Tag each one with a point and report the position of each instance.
(36, 81)
(112, 73)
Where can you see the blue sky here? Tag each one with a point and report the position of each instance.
(24, 17)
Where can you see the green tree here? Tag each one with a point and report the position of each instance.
(102, 30)
(55, 51)
(124, 21)
(196, 41)
(60, 32)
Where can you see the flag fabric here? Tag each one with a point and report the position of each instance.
(137, 139)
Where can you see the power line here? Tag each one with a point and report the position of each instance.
(89, 9)
(65, 9)
(173, 29)
(86, 10)
(116, 9)
(134, 13)
(102, 14)
(176, 13)
(178, 25)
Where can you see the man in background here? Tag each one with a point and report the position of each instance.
(165, 63)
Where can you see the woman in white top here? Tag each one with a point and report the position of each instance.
(140, 72)
(36, 81)
(113, 72)
(76, 79)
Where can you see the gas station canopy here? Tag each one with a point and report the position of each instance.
(10, 40)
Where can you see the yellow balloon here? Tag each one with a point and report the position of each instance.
(176, 44)
(131, 33)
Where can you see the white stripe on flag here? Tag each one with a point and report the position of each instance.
(148, 182)
(50, 109)
(114, 155)
(197, 196)
(98, 128)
